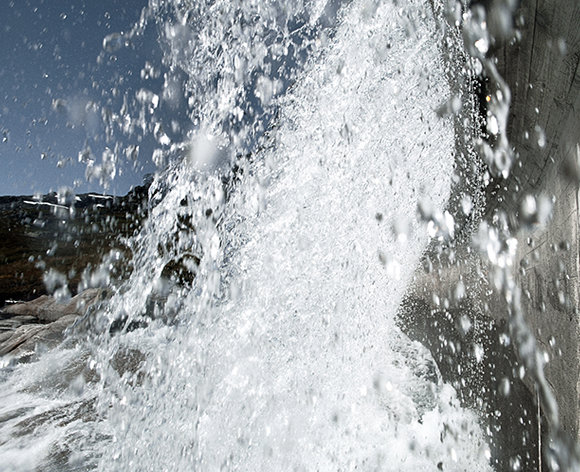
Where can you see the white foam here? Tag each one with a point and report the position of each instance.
(285, 355)
(301, 366)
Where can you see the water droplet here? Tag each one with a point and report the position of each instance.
(85, 156)
(132, 152)
(466, 204)
(492, 125)
(478, 352)
(562, 46)
(148, 98)
(482, 45)
(450, 107)
(114, 42)
(65, 196)
(150, 72)
(515, 463)
(540, 136)
(401, 229)
(504, 386)
(266, 89)
(464, 324)
(535, 211)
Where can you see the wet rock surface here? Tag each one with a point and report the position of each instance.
(42, 322)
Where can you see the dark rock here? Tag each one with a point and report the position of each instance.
(49, 336)
(181, 271)
(19, 337)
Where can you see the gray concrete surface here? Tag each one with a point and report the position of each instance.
(544, 128)
(541, 69)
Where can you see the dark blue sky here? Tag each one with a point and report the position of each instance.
(56, 94)
(64, 91)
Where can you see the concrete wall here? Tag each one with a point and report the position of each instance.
(544, 128)
(542, 72)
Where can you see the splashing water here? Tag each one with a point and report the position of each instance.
(283, 353)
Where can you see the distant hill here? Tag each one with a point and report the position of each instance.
(68, 234)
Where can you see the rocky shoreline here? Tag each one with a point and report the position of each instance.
(69, 235)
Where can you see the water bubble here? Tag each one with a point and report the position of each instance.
(499, 250)
(62, 162)
(477, 66)
(492, 125)
(86, 155)
(453, 454)
(453, 12)
(132, 152)
(100, 277)
(475, 31)
(450, 107)
(499, 159)
(482, 45)
(441, 226)
(103, 172)
(435, 299)
(392, 266)
(528, 206)
(546, 357)
(500, 20)
(160, 135)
